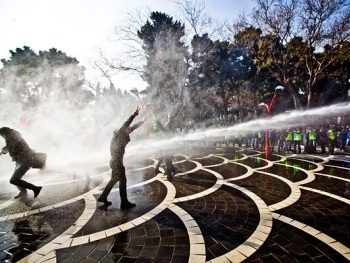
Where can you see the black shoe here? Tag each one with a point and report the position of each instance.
(21, 193)
(127, 205)
(37, 191)
(104, 200)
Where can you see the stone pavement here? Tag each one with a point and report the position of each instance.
(223, 205)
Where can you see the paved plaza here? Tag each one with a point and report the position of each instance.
(224, 204)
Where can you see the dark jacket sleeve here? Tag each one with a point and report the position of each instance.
(5, 149)
(128, 122)
(135, 126)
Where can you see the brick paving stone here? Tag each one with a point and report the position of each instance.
(147, 198)
(322, 213)
(304, 164)
(255, 162)
(288, 172)
(223, 216)
(193, 183)
(32, 232)
(221, 227)
(212, 160)
(293, 245)
(230, 170)
(50, 195)
(268, 188)
(338, 163)
(144, 242)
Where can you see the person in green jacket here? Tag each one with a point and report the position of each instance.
(311, 136)
(297, 139)
(332, 138)
(289, 140)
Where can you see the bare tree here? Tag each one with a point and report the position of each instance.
(325, 26)
(127, 55)
(195, 17)
(322, 25)
(276, 19)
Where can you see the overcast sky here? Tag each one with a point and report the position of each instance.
(78, 27)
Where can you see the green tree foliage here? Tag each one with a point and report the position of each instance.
(200, 87)
(334, 86)
(218, 76)
(254, 85)
(283, 62)
(32, 78)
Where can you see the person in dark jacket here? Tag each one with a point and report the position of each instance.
(297, 139)
(117, 148)
(23, 155)
(322, 139)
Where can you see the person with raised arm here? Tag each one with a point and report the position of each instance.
(117, 149)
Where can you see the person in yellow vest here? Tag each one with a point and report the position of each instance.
(245, 139)
(310, 140)
(154, 131)
(237, 139)
(261, 140)
(297, 139)
(332, 138)
(289, 140)
(228, 139)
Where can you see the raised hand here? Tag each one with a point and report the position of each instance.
(136, 112)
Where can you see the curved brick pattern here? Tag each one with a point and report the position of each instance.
(211, 160)
(226, 218)
(289, 244)
(193, 183)
(164, 238)
(255, 162)
(298, 163)
(270, 189)
(331, 184)
(323, 213)
(230, 170)
(340, 172)
(224, 204)
(53, 195)
(146, 197)
(291, 173)
(27, 234)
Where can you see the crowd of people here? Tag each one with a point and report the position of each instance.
(290, 140)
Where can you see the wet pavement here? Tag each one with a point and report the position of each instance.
(224, 204)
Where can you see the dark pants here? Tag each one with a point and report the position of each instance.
(118, 174)
(168, 164)
(16, 178)
(322, 144)
(289, 145)
(297, 146)
(331, 146)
